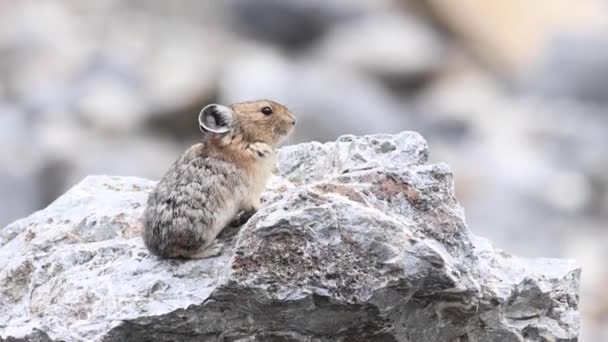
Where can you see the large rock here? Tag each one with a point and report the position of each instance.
(358, 240)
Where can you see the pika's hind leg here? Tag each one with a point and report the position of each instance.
(207, 251)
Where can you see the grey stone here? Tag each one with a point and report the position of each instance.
(358, 240)
(330, 100)
(292, 23)
(17, 175)
(582, 59)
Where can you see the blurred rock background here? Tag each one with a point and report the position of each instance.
(513, 94)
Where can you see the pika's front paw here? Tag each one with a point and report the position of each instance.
(210, 251)
(242, 218)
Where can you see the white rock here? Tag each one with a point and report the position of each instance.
(111, 105)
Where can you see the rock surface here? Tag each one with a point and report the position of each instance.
(358, 240)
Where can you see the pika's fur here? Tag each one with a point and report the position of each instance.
(215, 180)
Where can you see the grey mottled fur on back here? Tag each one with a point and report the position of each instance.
(187, 201)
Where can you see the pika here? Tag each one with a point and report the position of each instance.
(213, 181)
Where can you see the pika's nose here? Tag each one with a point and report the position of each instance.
(293, 121)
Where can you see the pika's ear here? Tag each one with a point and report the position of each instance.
(215, 118)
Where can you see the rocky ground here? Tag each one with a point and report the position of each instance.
(513, 100)
(358, 240)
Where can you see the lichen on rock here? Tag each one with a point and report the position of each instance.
(358, 240)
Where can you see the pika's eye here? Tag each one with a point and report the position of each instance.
(267, 110)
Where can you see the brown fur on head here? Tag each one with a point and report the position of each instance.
(261, 121)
